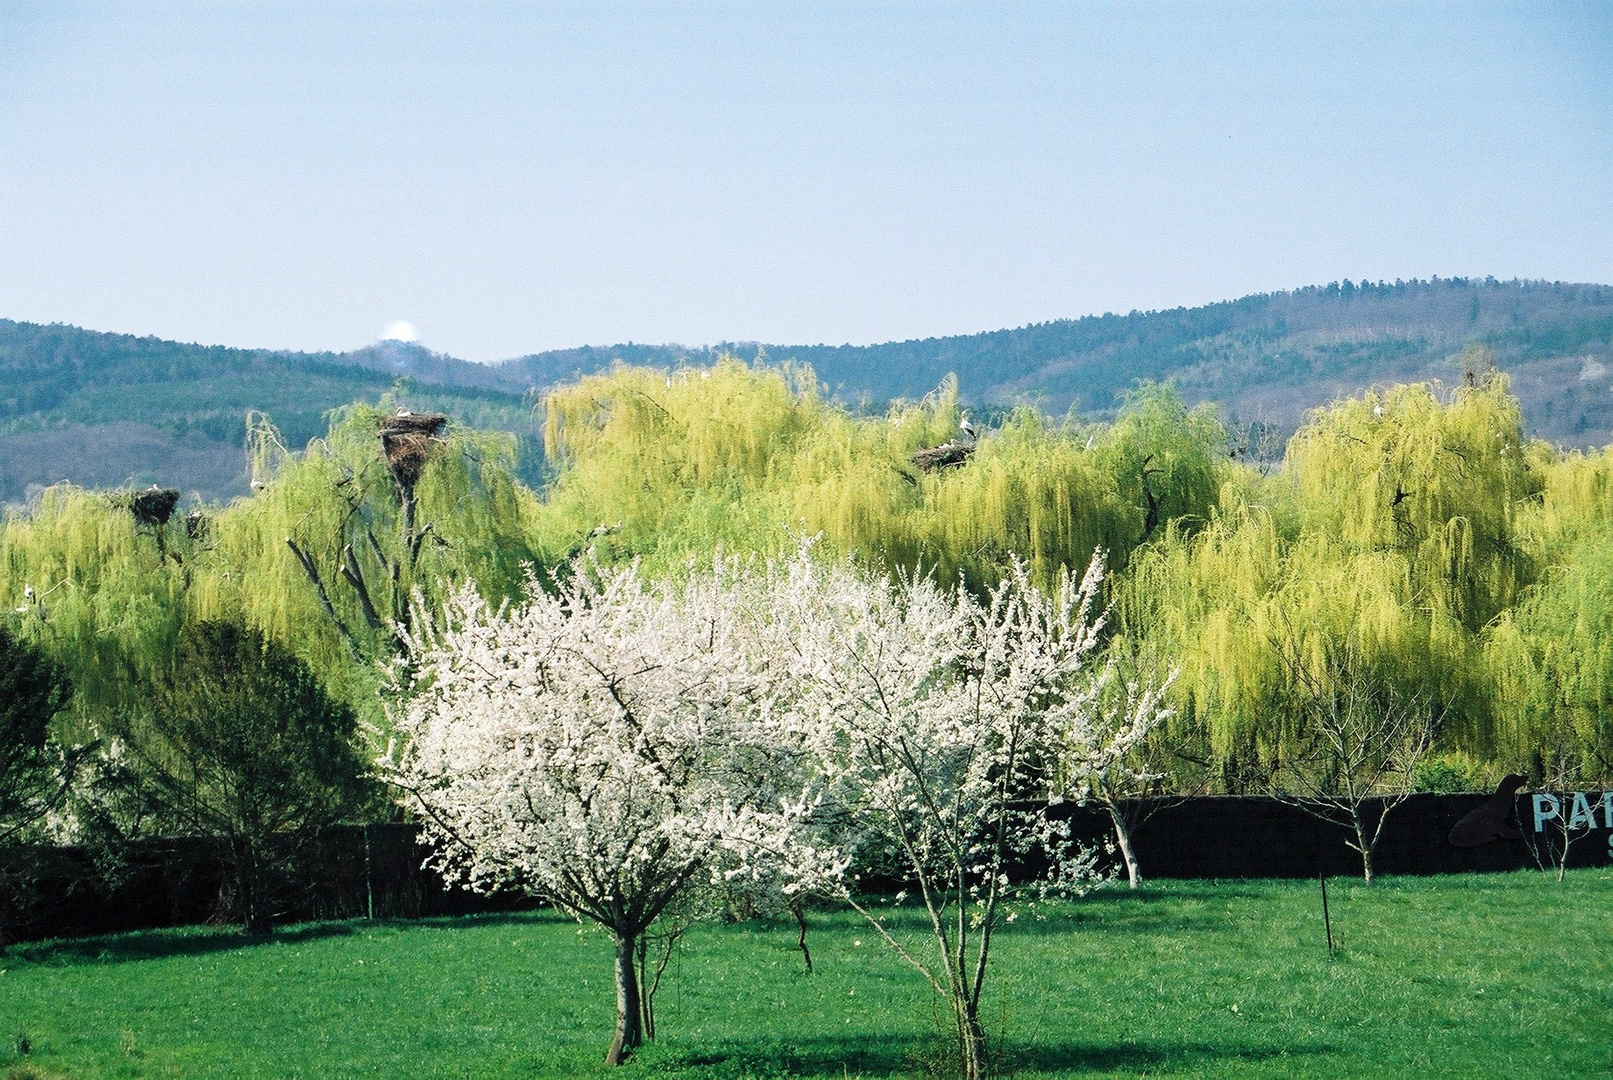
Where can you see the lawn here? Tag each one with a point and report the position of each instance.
(1462, 976)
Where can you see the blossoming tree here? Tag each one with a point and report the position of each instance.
(605, 747)
(943, 728)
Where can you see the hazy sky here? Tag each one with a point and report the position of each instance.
(514, 177)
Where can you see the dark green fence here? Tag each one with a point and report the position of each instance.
(378, 870)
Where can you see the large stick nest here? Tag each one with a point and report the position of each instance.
(154, 506)
(945, 456)
(408, 440)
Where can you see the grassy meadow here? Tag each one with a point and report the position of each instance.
(1462, 976)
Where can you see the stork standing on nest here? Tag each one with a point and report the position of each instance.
(952, 452)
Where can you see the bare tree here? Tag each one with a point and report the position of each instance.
(1360, 738)
(1120, 756)
(1561, 815)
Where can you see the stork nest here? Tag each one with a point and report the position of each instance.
(154, 506)
(945, 456)
(408, 440)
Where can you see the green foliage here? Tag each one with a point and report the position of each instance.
(663, 466)
(1552, 660)
(338, 503)
(1394, 528)
(1252, 615)
(109, 596)
(33, 774)
(1052, 494)
(1465, 564)
(246, 740)
(241, 742)
(1437, 482)
(1166, 459)
(1550, 656)
(1454, 772)
(96, 590)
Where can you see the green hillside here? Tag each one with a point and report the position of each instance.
(1268, 357)
(107, 409)
(104, 410)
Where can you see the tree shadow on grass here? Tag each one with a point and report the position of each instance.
(909, 1055)
(158, 944)
(1142, 910)
(1185, 889)
(1141, 1056)
(525, 917)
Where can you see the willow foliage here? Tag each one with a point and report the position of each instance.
(1576, 505)
(662, 467)
(1415, 527)
(1396, 533)
(337, 504)
(1251, 616)
(89, 583)
(99, 590)
(1552, 655)
(1552, 659)
(1437, 479)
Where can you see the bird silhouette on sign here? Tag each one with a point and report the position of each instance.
(1489, 821)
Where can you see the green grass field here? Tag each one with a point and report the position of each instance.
(1506, 976)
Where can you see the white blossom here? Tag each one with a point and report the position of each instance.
(942, 728)
(606, 747)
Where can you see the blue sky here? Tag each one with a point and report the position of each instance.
(514, 177)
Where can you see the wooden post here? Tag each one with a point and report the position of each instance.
(1327, 920)
(369, 876)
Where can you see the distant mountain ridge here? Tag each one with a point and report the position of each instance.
(110, 409)
(1270, 356)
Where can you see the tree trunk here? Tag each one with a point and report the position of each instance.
(1134, 873)
(1364, 847)
(971, 1043)
(629, 1034)
(251, 888)
(800, 918)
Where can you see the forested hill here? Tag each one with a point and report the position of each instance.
(1268, 357)
(105, 409)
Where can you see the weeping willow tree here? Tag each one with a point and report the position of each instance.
(1437, 478)
(339, 543)
(1576, 505)
(1257, 620)
(1409, 522)
(1052, 494)
(101, 590)
(328, 556)
(1553, 664)
(1166, 460)
(662, 467)
(1392, 536)
(1552, 654)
